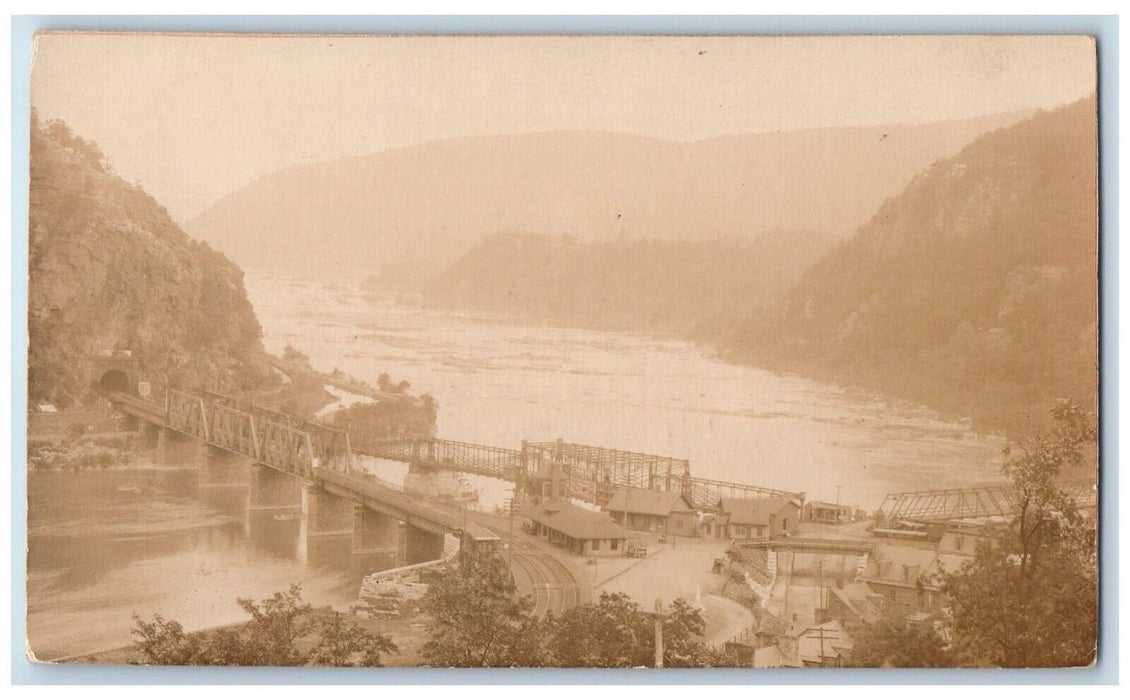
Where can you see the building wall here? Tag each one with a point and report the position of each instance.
(787, 520)
(905, 599)
(741, 531)
(604, 548)
(682, 524)
(649, 523)
(713, 530)
(595, 548)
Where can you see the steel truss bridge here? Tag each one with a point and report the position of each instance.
(595, 467)
(315, 451)
(953, 504)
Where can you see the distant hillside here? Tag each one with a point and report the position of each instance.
(407, 213)
(681, 286)
(109, 270)
(973, 291)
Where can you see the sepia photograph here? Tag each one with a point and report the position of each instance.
(563, 351)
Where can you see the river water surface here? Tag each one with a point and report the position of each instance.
(105, 544)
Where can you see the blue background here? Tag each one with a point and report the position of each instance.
(1104, 28)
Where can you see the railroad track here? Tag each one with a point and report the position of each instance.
(539, 575)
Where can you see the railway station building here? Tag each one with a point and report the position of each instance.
(830, 513)
(760, 517)
(581, 531)
(653, 511)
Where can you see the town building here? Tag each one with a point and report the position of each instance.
(549, 481)
(819, 646)
(905, 575)
(760, 517)
(478, 540)
(853, 604)
(712, 526)
(653, 511)
(581, 531)
(831, 513)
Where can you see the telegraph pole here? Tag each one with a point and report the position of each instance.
(510, 544)
(658, 634)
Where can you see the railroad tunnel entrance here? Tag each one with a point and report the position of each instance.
(114, 380)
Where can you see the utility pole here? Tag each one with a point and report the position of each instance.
(510, 543)
(820, 571)
(658, 634)
(595, 579)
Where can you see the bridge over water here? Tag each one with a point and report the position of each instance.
(324, 455)
(954, 504)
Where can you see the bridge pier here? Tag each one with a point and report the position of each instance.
(272, 490)
(379, 541)
(224, 478)
(273, 510)
(177, 449)
(420, 545)
(148, 435)
(432, 482)
(328, 521)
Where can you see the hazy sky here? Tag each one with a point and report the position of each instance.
(195, 117)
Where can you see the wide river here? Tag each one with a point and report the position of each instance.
(150, 539)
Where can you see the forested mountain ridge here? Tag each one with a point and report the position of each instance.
(109, 270)
(688, 287)
(407, 213)
(974, 291)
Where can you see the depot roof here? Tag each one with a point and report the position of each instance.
(753, 511)
(648, 502)
(576, 522)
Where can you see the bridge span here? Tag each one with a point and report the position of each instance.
(955, 504)
(324, 454)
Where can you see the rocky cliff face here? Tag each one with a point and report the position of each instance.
(974, 291)
(110, 270)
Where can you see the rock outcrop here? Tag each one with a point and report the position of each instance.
(110, 271)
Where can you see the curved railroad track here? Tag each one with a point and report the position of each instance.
(539, 575)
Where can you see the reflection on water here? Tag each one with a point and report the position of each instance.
(184, 542)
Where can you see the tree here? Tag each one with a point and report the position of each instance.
(613, 633)
(616, 633)
(1030, 599)
(431, 407)
(477, 620)
(341, 643)
(293, 354)
(892, 643)
(270, 638)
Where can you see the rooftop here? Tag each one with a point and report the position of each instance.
(905, 564)
(478, 532)
(576, 522)
(826, 641)
(753, 511)
(648, 502)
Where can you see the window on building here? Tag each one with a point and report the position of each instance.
(615, 545)
(596, 545)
